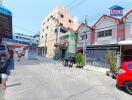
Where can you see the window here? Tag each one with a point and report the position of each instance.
(2, 47)
(101, 34)
(42, 36)
(56, 30)
(43, 30)
(108, 32)
(47, 20)
(61, 24)
(61, 15)
(17, 37)
(130, 66)
(70, 21)
(105, 33)
(63, 30)
(47, 27)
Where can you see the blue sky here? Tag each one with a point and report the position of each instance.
(28, 14)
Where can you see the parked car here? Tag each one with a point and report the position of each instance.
(124, 76)
(4, 58)
(3, 80)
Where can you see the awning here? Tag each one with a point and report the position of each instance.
(125, 42)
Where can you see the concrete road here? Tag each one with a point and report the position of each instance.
(48, 80)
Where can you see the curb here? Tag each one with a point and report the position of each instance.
(94, 68)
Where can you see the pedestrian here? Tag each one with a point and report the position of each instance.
(19, 55)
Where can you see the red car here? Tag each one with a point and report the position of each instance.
(124, 76)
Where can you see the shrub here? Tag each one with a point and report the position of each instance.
(111, 57)
(80, 60)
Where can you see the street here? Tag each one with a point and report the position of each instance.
(45, 79)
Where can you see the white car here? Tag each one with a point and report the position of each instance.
(3, 79)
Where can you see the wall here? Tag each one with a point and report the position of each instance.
(80, 42)
(105, 24)
(52, 24)
(72, 43)
(128, 27)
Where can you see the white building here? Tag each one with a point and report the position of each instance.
(26, 40)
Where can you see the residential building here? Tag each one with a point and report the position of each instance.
(54, 25)
(83, 31)
(108, 31)
(25, 39)
(110, 34)
(67, 44)
(126, 45)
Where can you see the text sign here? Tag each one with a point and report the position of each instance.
(116, 11)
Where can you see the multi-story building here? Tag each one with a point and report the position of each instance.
(53, 26)
(25, 40)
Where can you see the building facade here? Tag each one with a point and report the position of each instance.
(26, 40)
(108, 34)
(54, 25)
(67, 44)
(5, 22)
(83, 31)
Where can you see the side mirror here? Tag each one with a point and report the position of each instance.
(3, 78)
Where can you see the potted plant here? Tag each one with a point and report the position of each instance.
(79, 60)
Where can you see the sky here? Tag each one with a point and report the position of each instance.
(28, 14)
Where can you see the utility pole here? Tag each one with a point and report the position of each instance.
(84, 42)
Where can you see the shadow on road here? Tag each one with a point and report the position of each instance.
(14, 85)
(121, 89)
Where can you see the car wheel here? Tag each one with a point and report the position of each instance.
(128, 87)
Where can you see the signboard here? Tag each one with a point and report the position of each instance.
(116, 11)
(5, 11)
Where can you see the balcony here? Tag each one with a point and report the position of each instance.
(62, 44)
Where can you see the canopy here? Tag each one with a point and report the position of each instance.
(125, 42)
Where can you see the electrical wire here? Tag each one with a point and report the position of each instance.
(112, 27)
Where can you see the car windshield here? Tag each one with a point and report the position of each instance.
(2, 47)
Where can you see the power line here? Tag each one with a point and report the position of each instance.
(24, 29)
(100, 13)
(78, 4)
(113, 26)
(71, 3)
